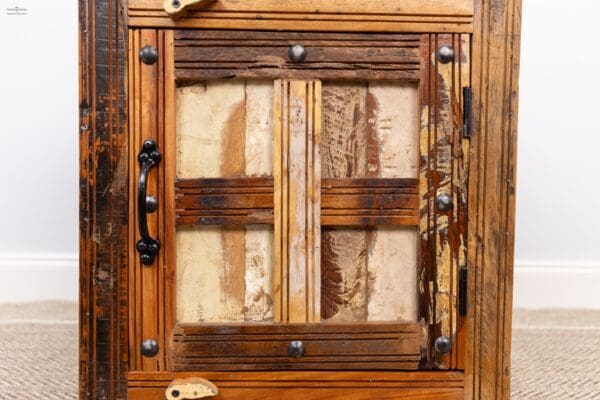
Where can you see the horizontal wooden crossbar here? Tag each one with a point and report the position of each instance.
(344, 202)
(224, 347)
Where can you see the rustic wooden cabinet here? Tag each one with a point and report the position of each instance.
(306, 200)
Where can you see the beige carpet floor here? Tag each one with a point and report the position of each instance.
(556, 354)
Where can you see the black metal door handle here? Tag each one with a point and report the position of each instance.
(147, 246)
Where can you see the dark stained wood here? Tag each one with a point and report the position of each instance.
(316, 385)
(344, 202)
(204, 55)
(104, 202)
(235, 201)
(235, 347)
(369, 201)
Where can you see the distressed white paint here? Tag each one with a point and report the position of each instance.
(392, 261)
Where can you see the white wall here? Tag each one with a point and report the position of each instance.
(38, 150)
(558, 196)
(558, 223)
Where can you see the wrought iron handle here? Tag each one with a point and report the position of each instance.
(147, 246)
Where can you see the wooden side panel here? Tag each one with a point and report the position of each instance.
(335, 385)
(224, 131)
(496, 51)
(104, 242)
(315, 15)
(297, 175)
(370, 132)
(392, 346)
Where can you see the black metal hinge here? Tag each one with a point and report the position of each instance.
(467, 112)
(462, 291)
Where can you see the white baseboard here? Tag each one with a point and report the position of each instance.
(557, 285)
(39, 277)
(537, 285)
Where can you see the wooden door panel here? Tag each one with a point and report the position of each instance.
(299, 201)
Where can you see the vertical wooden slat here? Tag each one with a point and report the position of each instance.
(495, 54)
(297, 177)
(146, 122)
(103, 339)
(425, 269)
(444, 134)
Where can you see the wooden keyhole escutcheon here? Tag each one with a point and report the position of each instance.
(191, 389)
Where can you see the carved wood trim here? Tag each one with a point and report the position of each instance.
(297, 201)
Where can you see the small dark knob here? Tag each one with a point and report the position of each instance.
(297, 53)
(296, 349)
(444, 202)
(149, 348)
(443, 345)
(149, 55)
(445, 54)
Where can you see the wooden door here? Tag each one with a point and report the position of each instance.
(311, 214)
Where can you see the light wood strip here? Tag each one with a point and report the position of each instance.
(297, 178)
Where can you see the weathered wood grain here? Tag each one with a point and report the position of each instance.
(393, 253)
(369, 132)
(443, 170)
(146, 121)
(337, 385)
(104, 201)
(344, 202)
(297, 176)
(224, 133)
(104, 218)
(495, 55)
(327, 347)
(315, 15)
(207, 55)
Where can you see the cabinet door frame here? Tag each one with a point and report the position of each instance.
(442, 169)
(104, 156)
